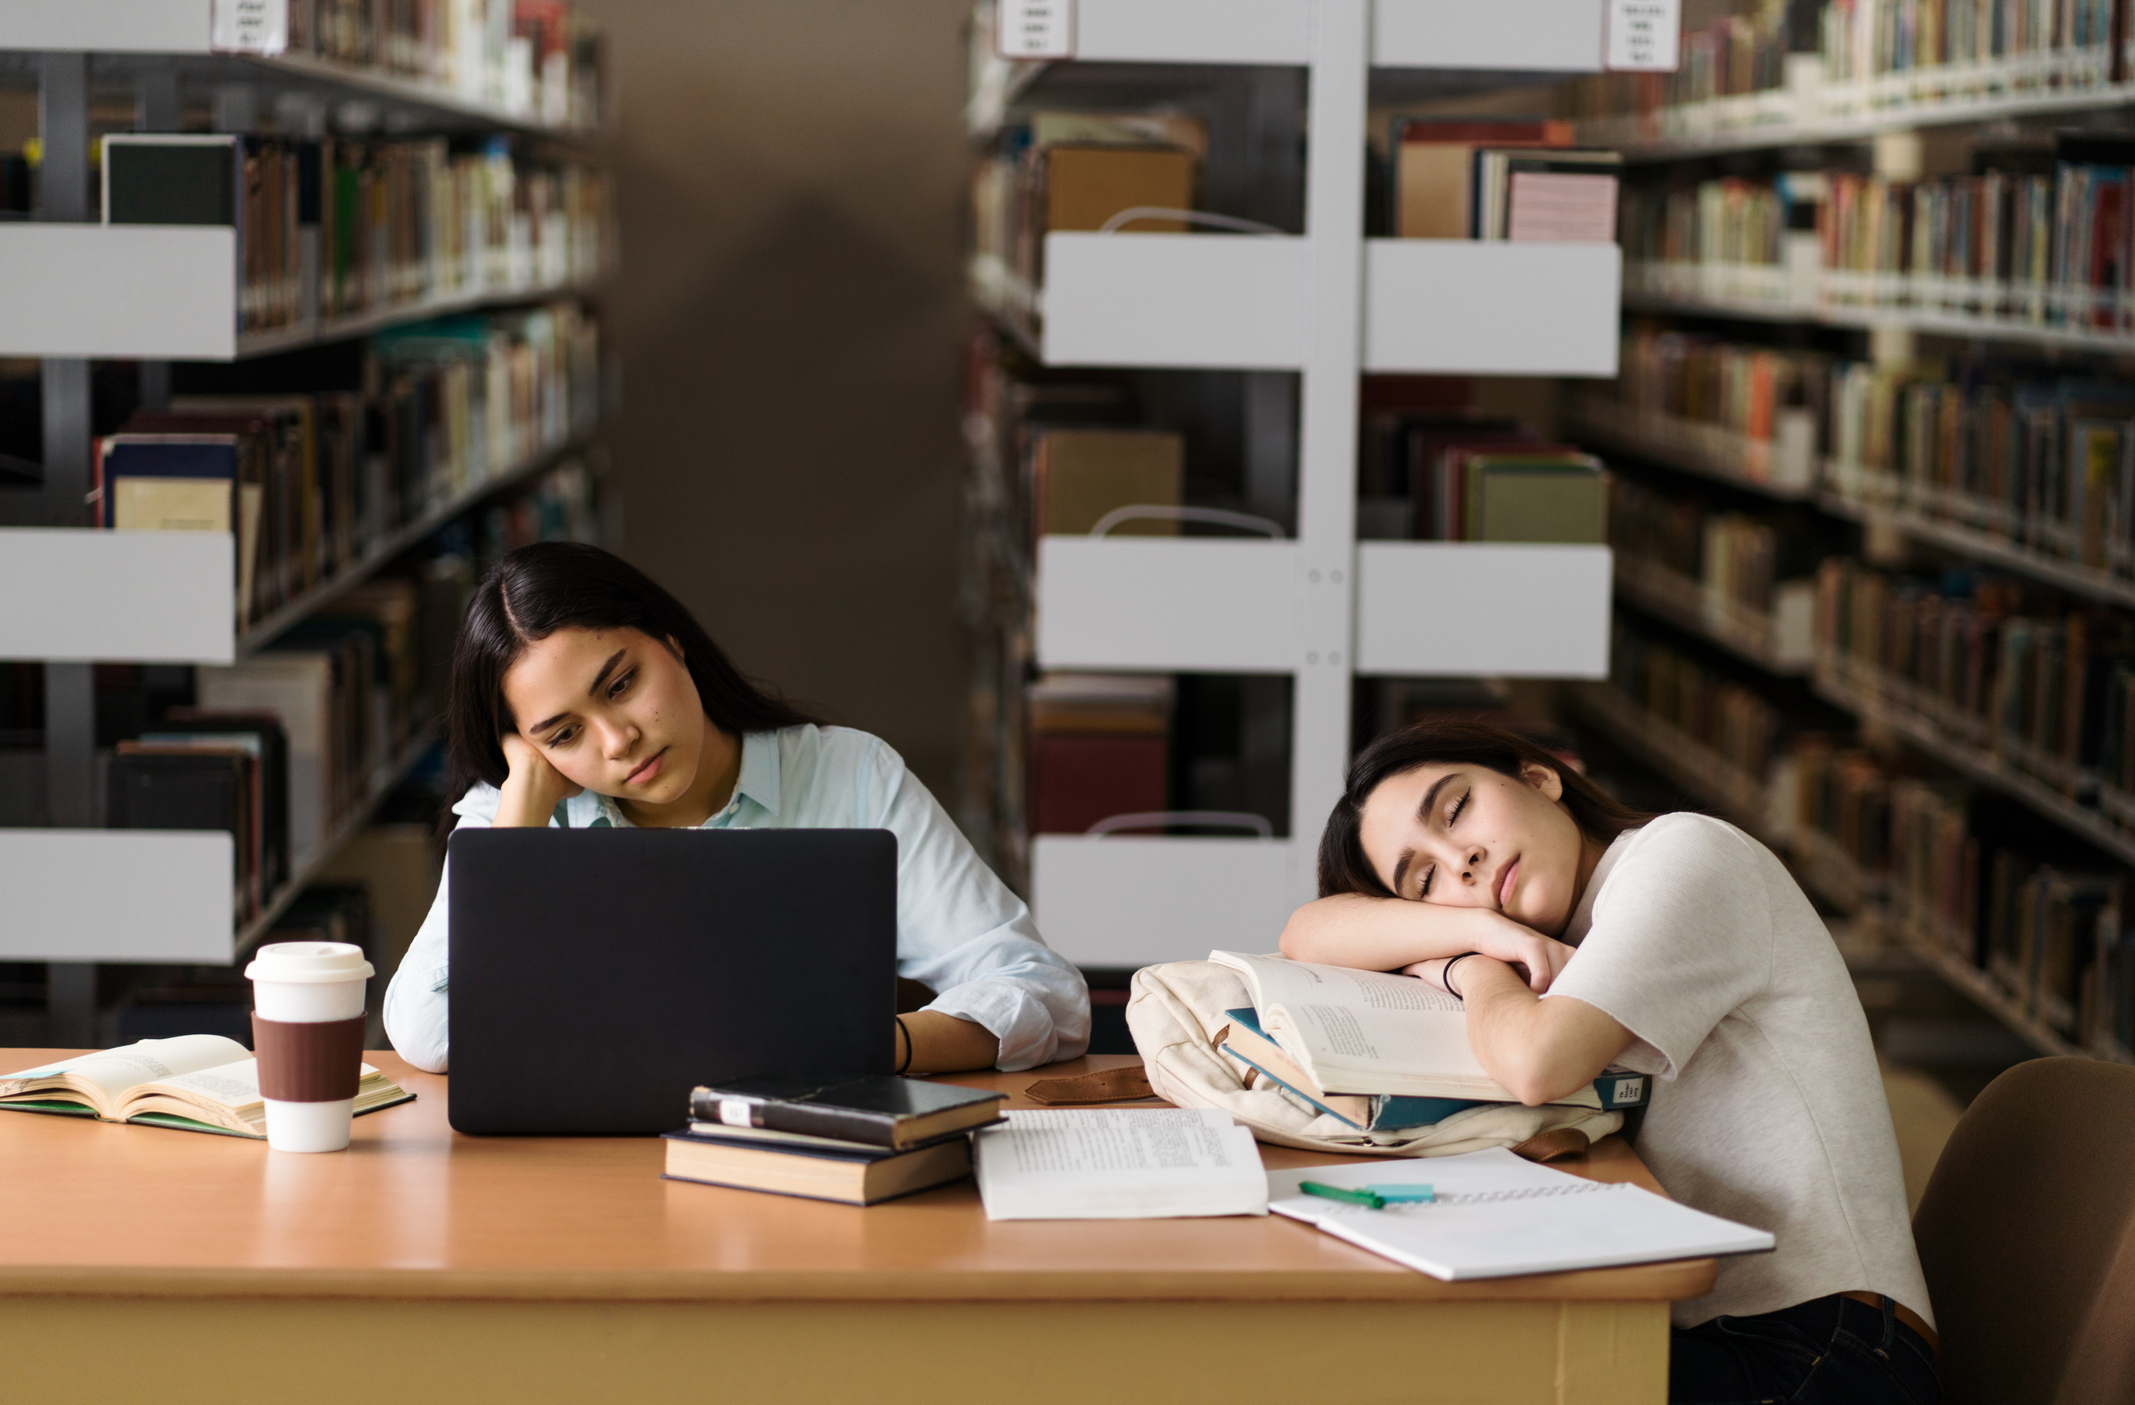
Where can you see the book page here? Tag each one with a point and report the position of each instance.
(1349, 1050)
(233, 1085)
(1119, 1163)
(113, 1071)
(1277, 980)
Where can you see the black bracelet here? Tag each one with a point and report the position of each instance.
(907, 1043)
(1445, 976)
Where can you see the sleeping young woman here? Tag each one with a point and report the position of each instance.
(1581, 934)
(585, 695)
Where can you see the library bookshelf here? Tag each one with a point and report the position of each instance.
(1328, 305)
(77, 596)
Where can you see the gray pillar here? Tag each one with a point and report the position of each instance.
(157, 108)
(70, 691)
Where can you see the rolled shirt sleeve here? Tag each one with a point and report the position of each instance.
(415, 1001)
(961, 932)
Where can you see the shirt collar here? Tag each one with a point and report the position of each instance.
(759, 769)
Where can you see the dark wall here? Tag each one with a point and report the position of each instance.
(792, 178)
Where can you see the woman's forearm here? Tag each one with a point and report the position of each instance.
(1383, 934)
(1540, 1050)
(945, 1044)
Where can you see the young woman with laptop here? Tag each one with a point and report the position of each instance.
(584, 695)
(1582, 934)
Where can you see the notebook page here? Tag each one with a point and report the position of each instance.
(1429, 1043)
(1498, 1215)
(1276, 980)
(1119, 1164)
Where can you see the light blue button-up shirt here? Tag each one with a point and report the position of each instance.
(960, 930)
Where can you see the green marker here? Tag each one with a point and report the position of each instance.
(1347, 1197)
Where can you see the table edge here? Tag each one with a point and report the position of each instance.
(1665, 1282)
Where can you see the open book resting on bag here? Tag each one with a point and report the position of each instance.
(194, 1083)
(1374, 1049)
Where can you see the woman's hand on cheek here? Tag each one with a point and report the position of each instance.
(534, 787)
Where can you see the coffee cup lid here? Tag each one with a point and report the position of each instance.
(309, 963)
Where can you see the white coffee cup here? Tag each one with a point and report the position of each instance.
(308, 1074)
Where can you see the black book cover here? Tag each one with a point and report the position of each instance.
(206, 790)
(881, 1110)
(274, 773)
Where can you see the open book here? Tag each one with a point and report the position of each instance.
(1343, 1031)
(1117, 1163)
(195, 1083)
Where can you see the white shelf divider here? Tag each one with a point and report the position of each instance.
(1497, 609)
(1196, 603)
(162, 292)
(1193, 31)
(1470, 307)
(137, 895)
(1185, 300)
(1120, 900)
(108, 26)
(77, 595)
(1555, 36)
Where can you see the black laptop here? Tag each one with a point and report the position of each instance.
(600, 974)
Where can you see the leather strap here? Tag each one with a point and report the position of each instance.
(1109, 1085)
(1901, 1312)
(308, 1062)
(1548, 1146)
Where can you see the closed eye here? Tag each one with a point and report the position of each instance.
(1453, 815)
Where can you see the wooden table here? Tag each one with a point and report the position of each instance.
(139, 1264)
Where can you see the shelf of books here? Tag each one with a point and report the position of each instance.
(247, 575)
(489, 66)
(1775, 76)
(218, 247)
(1874, 533)
(1168, 593)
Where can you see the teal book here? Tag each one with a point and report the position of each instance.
(1247, 1042)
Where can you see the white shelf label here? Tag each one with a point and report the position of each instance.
(1037, 29)
(1644, 36)
(250, 26)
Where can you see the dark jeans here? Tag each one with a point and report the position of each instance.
(1832, 1351)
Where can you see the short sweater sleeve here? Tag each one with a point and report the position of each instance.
(1681, 935)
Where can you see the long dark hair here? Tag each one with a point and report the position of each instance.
(1450, 741)
(539, 589)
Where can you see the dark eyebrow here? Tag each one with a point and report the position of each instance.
(605, 669)
(598, 679)
(1423, 813)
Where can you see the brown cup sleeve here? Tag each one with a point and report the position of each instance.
(305, 1062)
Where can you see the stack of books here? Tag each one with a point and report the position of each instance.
(853, 1139)
(1383, 1053)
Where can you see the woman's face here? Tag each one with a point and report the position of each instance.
(614, 710)
(1468, 836)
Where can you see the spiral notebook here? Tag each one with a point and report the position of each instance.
(1496, 1215)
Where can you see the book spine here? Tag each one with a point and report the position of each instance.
(1623, 1090)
